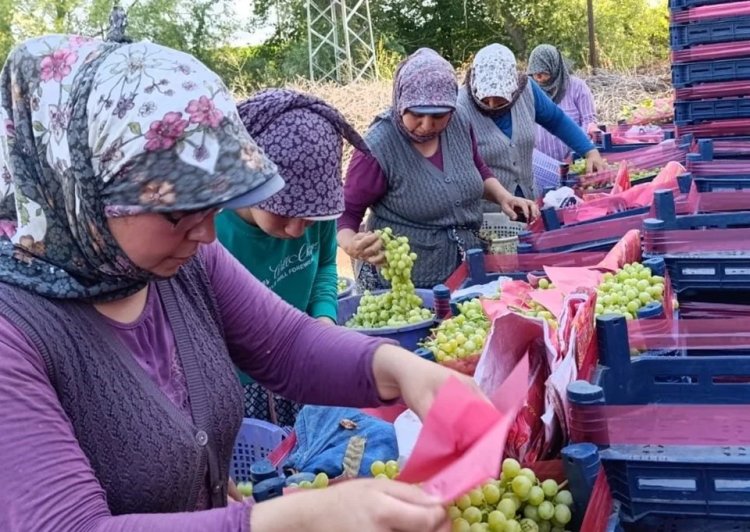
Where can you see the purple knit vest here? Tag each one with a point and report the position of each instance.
(148, 456)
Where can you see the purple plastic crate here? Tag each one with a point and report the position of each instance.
(255, 441)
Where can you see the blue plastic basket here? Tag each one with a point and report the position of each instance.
(255, 441)
(687, 74)
(678, 5)
(349, 287)
(408, 336)
(673, 480)
(689, 112)
(712, 31)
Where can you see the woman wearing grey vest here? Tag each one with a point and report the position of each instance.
(504, 108)
(423, 178)
(121, 318)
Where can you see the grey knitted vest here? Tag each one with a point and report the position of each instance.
(509, 159)
(439, 211)
(147, 454)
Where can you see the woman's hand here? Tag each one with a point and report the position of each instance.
(366, 247)
(363, 505)
(233, 492)
(511, 204)
(595, 162)
(399, 373)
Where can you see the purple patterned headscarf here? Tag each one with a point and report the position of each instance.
(302, 135)
(424, 79)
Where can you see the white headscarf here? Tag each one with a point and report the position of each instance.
(494, 73)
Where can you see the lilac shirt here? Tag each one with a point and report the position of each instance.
(578, 104)
(366, 183)
(48, 484)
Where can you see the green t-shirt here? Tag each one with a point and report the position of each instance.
(302, 271)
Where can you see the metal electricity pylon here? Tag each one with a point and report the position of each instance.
(341, 44)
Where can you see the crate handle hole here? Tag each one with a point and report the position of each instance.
(730, 379)
(672, 484)
(732, 484)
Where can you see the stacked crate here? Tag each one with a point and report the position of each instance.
(710, 42)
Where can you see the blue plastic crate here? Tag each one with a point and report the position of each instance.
(712, 31)
(255, 441)
(714, 109)
(711, 149)
(677, 5)
(674, 480)
(687, 74)
(681, 524)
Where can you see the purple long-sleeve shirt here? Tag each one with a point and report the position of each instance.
(366, 183)
(48, 483)
(578, 104)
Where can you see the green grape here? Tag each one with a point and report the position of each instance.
(478, 527)
(544, 284)
(550, 488)
(564, 497)
(491, 493)
(529, 525)
(545, 526)
(391, 468)
(511, 525)
(477, 497)
(521, 486)
(513, 497)
(245, 488)
(511, 468)
(546, 510)
(341, 285)
(536, 495)
(531, 512)
(463, 502)
(496, 520)
(321, 481)
(507, 507)
(377, 468)
(382, 476)
(472, 515)
(460, 525)
(305, 484)
(562, 514)
(454, 512)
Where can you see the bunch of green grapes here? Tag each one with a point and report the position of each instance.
(578, 166)
(245, 488)
(637, 175)
(400, 305)
(627, 290)
(517, 502)
(534, 309)
(342, 284)
(380, 469)
(319, 482)
(462, 335)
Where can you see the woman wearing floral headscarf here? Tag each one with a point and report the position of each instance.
(504, 108)
(121, 319)
(288, 242)
(423, 178)
(551, 71)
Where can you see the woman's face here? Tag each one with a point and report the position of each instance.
(275, 225)
(495, 102)
(160, 243)
(541, 77)
(425, 125)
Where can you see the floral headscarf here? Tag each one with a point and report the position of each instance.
(92, 129)
(545, 58)
(302, 135)
(494, 74)
(424, 79)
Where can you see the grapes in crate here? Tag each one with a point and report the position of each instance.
(628, 290)
(461, 336)
(517, 502)
(400, 305)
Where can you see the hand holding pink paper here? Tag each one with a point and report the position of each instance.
(463, 437)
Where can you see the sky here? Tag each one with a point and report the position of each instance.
(243, 38)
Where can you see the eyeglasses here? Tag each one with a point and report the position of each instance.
(186, 220)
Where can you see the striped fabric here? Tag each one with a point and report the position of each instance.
(578, 104)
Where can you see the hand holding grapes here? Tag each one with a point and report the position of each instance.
(366, 247)
(370, 505)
